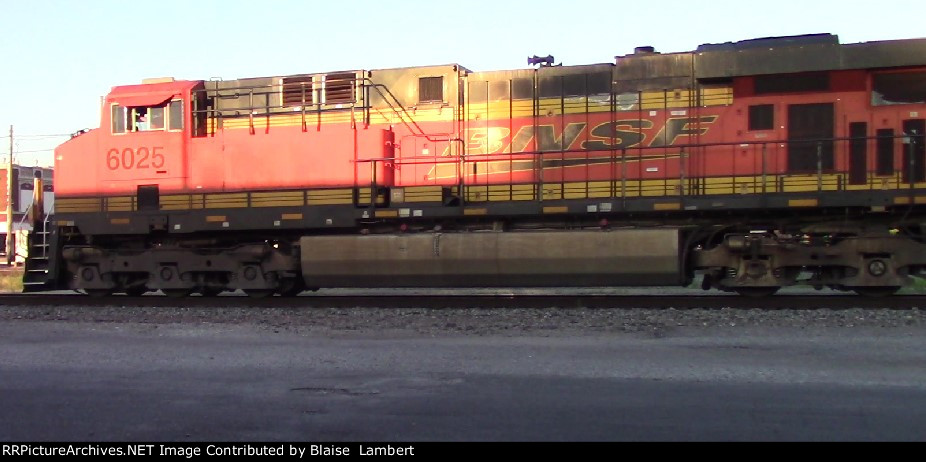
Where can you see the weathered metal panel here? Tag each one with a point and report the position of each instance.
(806, 53)
(649, 71)
(402, 84)
(775, 55)
(894, 53)
(243, 94)
(787, 59)
(491, 259)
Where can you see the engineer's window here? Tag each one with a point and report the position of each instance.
(154, 118)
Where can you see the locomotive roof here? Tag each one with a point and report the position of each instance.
(761, 56)
(150, 94)
(773, 55)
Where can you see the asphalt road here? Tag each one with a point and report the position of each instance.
(65, 381)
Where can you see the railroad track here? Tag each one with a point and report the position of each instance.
(490, 301)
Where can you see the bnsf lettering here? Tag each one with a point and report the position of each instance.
(623, 134)
(546, 138)
(627, 133)
(688, 126)
(135, 159)
(486, 140)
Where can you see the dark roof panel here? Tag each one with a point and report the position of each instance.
(894, 53)
(773, 55)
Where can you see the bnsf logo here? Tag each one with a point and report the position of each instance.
(609, 135)
(135, 159)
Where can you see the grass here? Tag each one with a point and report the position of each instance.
(917, 288)
(11, 280)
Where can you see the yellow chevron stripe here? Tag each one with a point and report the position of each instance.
(330, 196)
(120, 204)
(78, 205)
(278, 199)
(667, 206)
(803, 203)
(226, 201)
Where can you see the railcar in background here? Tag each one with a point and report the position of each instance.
(758, 164)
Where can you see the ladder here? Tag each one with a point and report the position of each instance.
(37, 274)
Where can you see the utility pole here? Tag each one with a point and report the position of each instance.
(10, 240)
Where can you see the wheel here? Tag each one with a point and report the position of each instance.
(756, 292)
(877, 291)
(259, 293)
(210, 291)
(177, 293)
(292, 287)
(136, 291)
(98, 293)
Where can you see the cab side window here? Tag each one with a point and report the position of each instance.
(140, 119)
(175, 115)
(156, 118)
(167, 116)
(118, 118)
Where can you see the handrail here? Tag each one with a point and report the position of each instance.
(46, 247)
(654, 148)
(767, 172)
(44, 233)
(251, 110)
(265, 91)
(396, 109)
(21, 223)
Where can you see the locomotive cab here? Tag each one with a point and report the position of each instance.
(145, 150)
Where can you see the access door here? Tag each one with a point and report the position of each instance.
(810, 137)
(914, 146)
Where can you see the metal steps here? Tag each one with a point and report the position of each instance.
(36, 271)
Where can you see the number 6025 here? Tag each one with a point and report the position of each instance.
(129, 159)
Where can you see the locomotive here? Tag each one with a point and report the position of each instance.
(757, 165)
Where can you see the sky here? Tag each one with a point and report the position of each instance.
(59, 57)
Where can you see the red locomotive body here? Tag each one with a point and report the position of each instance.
(731, 161)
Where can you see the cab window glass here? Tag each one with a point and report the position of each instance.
(175, 115)
(140, 119)
(156, 118)
(118, 118)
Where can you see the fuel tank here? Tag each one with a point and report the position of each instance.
(637, 257)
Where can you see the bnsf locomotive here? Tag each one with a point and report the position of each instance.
(758, 164)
